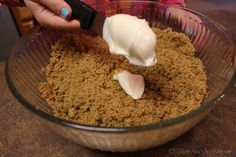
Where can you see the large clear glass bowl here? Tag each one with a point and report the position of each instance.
(214, 47)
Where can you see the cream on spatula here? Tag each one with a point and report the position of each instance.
(131, 37)
(125, 34)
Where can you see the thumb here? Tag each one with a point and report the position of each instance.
(59, 7)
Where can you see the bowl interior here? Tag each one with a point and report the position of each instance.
(213, 44)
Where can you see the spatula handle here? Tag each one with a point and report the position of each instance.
(82, 12)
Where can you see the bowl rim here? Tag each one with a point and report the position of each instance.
(161, 124)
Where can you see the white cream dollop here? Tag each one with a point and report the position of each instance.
(132, 84)
(131, 37)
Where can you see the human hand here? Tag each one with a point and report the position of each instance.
(52, 13)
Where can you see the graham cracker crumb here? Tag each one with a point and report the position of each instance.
(79, 82)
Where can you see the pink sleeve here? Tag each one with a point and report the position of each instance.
(12, 2)
(95, 2)
(180, 2)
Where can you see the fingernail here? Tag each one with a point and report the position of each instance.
(64, 12)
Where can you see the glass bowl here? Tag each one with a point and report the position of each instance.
(214, 47)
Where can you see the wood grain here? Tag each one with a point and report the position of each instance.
(23, 17)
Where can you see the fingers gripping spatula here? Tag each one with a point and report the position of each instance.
(89, 18)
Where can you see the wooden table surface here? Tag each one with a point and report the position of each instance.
(22, 135)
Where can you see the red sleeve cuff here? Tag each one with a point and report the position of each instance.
(13, 3)
(179, 2)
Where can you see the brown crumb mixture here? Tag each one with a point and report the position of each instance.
(80, 87)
